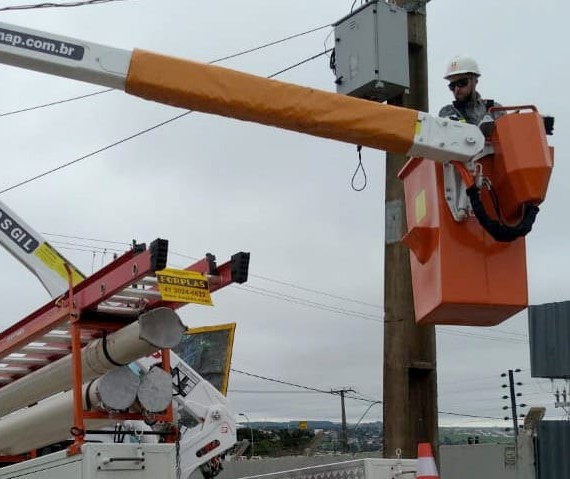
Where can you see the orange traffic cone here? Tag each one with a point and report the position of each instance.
(425, 468)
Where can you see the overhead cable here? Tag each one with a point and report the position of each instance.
(270, 44)
(57, 5)
(135, 135)
(279, 381)
(93, 153)
(218, 60)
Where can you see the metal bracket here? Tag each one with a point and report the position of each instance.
(456, 194)
(454, 187)
(393, 221)
(134, 463)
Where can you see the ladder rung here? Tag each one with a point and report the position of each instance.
(25, 360)
(118, 310)
(13, 369)
(45, 349)
(137, 294)
(147, 281)
(122, 301)
(65, 337)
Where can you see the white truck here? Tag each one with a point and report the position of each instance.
(206, 426)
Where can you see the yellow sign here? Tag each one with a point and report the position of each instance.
(303, 425)
(54, 261)
(183, 286)
(421, 209)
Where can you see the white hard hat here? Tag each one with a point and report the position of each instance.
(459, 65)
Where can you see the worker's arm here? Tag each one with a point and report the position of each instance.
(213, 89)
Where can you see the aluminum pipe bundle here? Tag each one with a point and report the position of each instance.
(156, 329)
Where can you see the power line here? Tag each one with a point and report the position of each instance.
(53, 103)
(311, 304)
(308, 388)
(91, 248)
(290, 298)
(470, 329)
(279, 381)
(135, 135)
(58, 5)
(93, 153)
(89, 239)
(261, 391)
(302, 62)
(270, 44)
(218, 60)
(293, 285)
(316, 291)
(483, 336)
(252, 289)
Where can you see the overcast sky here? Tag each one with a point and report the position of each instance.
(311, 312)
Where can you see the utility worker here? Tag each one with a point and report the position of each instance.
(463, 75)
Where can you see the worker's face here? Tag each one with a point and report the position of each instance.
(462, 86)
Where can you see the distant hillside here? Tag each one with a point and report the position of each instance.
(291, 425)
(447, 435)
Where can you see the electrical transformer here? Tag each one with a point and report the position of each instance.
(371, 52)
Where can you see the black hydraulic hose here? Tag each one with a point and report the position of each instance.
(497, 229)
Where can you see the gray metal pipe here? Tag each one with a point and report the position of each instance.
(156, 329)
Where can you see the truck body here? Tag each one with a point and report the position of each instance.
(358, 469)
(101, 461)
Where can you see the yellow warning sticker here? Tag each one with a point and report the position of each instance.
(418, 127)
(183, 286)
(54, 261)
(421, 210)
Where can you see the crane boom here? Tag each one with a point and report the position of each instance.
(35, 253)
(222, 91)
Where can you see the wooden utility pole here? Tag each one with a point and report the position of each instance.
(410, 378)
(344, 430)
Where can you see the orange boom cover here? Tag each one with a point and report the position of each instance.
(226, 92)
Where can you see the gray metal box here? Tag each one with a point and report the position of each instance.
(549, 335)
(371, 52)
(553, 444)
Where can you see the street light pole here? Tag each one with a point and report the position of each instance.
(250, 430)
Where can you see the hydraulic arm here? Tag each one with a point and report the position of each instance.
(213, 89)
(491, 183)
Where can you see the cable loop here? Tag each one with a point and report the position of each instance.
(359, 167)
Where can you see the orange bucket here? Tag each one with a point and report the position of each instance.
(460, 275)
(522, 163)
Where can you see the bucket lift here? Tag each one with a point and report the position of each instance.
(515, 160)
